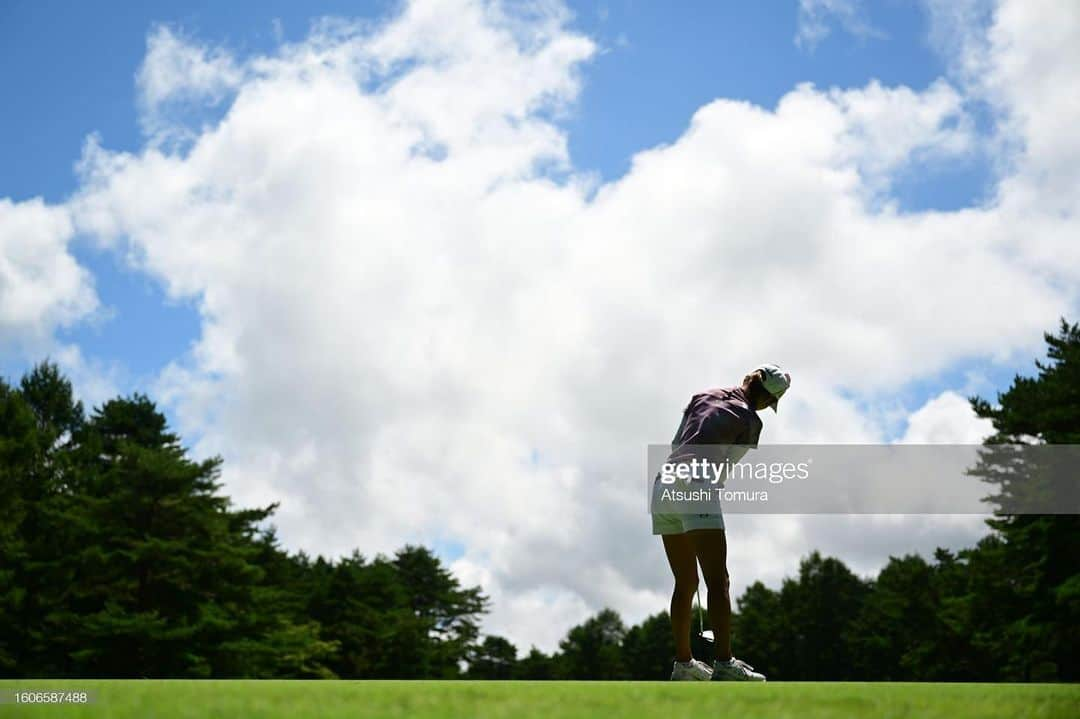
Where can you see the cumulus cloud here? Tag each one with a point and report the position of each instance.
(816, 18)
(946, 419)
(177, 71)
(93, 381)
(419, 323)
(888, 128)
(1019, 60)
(42, 286)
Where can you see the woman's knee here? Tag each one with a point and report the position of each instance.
(686, 586)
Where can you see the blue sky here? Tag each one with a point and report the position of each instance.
(658, 66)
(68, 71)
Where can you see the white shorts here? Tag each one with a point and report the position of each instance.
(683, 523)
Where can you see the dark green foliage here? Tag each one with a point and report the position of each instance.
(36, 423)
(818, 609)
(1039, 559)
(443, 613)
(399, 618)
(50, 396)
(593, 650)
(119, 557)
(493, 659)
(804, 630)
(19, 460)
(647, 649)
(760, 632)
(1047, 405)
(902, 615)
(535, 666)
(147, 571)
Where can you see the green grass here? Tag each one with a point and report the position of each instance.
(520, 700)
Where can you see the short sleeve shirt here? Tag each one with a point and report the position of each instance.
(718, 416)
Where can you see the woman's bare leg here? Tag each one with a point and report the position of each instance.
(710, 546)
(683, 561)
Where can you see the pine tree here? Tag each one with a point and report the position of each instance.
(535, 666)
(494, 658)
(160, 572)
(647, 648)
(445, 612)
(37, 422)
(1041, 553)
(593, 650)
(19, 459)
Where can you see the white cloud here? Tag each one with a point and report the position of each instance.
(946, 419)
(42, 287)
(43, 290)
(1021, 60)
(174, 66)
(411, 332)
(93, 381)
(816, 18)
(888, 128)
(175, 71)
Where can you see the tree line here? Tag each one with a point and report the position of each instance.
(120, 557)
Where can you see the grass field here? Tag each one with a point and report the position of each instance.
(150, 699)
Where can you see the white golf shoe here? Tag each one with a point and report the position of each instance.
(691, 671)
(735, 670)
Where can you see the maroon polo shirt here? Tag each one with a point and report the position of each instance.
(717, 416)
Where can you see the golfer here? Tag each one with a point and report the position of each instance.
(721, 417)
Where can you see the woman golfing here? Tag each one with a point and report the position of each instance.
(715, 417)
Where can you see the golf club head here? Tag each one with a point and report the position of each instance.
(707, 635)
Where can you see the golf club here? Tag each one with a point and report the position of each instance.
(706, 634)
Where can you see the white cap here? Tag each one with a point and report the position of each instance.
(775, 381)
